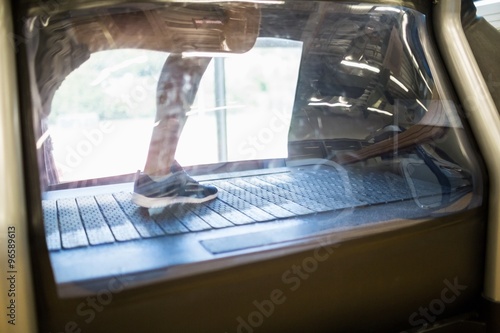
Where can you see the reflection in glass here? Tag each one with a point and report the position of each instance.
(303, 114)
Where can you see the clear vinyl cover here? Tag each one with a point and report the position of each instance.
(309, 107)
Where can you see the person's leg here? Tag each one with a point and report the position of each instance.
(176, 91)
(164, 182)
(164, 140)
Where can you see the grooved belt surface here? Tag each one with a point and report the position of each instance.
(101, 219)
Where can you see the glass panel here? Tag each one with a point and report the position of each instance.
(291, 118)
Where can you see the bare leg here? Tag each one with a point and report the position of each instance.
(176, 90)
(163, 145)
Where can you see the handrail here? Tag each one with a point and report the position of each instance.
(17, 299)
(483, 117)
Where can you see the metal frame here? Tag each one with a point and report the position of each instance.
(484, 120)
(13, 220)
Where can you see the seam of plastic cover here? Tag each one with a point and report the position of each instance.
(53, 7)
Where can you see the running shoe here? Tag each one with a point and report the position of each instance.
(179, 187)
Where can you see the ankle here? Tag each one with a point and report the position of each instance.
(160, 178)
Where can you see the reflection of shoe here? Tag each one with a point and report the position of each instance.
(177, 188)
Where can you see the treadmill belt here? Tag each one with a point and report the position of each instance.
(104, 219)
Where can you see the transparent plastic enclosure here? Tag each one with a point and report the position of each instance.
(317, 115)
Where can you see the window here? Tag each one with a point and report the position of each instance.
(98, 107)
(259, 91)
(112, 95)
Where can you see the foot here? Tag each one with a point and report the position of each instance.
(176, 188)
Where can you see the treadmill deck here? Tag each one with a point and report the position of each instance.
(242, 199)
